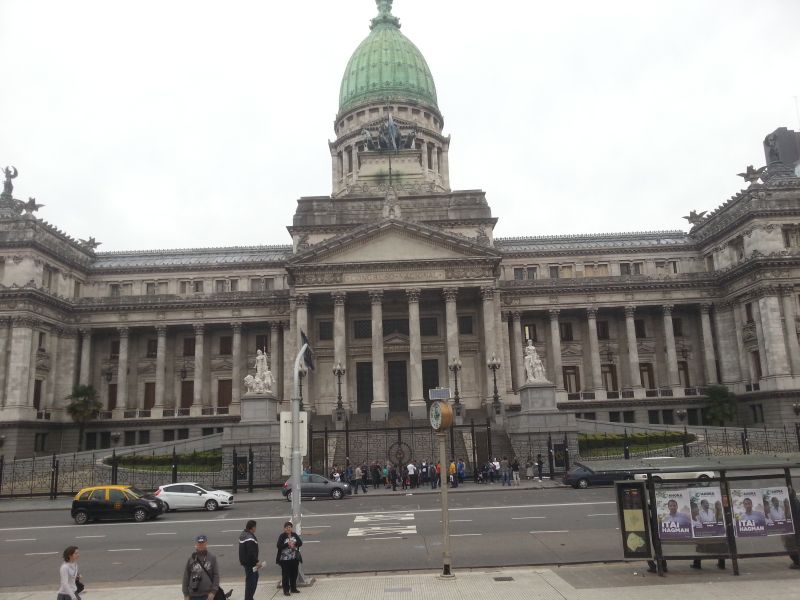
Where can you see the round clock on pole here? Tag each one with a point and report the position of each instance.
(441, 416)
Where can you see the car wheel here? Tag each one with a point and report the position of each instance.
(337, 494)
(211, 505)
(289, 496)
(166, 507)
(81, 518)
(583, 483)
(140, 515)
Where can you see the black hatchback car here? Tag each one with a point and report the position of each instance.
(114, 502)
(581, 476)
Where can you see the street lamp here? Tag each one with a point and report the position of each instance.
(455, 367)
(796, 409)
(108, 374)
(494, 364)
(338, 372)
(681, 413)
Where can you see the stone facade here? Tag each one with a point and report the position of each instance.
(393, 276)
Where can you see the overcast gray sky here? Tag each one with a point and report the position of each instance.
(166, 123)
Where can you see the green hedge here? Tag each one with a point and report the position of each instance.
(591, 441)
(211, 459)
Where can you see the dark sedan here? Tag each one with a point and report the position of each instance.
(581, 476)
(317, 486)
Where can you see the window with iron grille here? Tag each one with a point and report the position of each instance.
(391, 326)
(429, 326)
(362, 329)
(188, 346)
(602, 330)
(325, 331)
(465, 325)
(566, 331)
(226, 345)
(152, 348)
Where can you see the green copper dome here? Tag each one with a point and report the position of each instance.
(386, 65)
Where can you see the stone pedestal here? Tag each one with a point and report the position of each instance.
(418, 410)
(258, 425)
(378, 412)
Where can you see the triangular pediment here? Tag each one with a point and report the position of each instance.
(393, 240)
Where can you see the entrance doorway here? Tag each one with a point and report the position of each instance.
(363, 387)
(398, 386)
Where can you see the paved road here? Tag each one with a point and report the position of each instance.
(360, 533)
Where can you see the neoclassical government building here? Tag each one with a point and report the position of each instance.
(393, 276)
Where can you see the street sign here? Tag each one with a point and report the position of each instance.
(286, 434)
(439, 394)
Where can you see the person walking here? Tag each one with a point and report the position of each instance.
(515, 471)
(412, 474)
(289, 558)
(451, 470)
(248, 558)
(432, 475)
(360, 480)
(505, 475)
(201, 574)
(393, 477)
(539, 465)
(461, 471)
(69, 575)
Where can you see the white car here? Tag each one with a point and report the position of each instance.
(701, 476)
(176, 496)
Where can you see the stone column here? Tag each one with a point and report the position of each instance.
(790, 328)
(417, 404)
(489, 342)
(555, 349)
(710, 359)
(5, 347)
(503, 353)
(673, 379)
(85, 376)
(236, 362)
(744, 359)
(594, 354)
(48, 402)
(289, 354)
(199, 375)
(451, 329)
(380, 408)
(301, 302)
(68, 366)
(161, 365)
(518, 344)
(772, 328)
(276, 362)
(122, 370)
(633, 353)
(727, 344)
(32, 364)
(19, 362)
(340, 341)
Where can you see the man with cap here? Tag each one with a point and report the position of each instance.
(248, 558)
(201, 575)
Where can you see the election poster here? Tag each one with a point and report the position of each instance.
(674, 514)
(708, 519)
(777, 510)
(748, 512)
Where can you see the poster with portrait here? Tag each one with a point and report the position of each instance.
(748, 512)
(708, 518)
(674, 514)
(777, 510)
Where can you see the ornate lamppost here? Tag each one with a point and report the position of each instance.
(681, 414)
(455, 366)
(338, 372)
(108, 374)
(494, 364)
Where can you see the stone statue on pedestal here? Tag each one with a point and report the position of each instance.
(262, 381)
(534, 368)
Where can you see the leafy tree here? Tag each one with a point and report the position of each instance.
(83, 407)
(721, 405)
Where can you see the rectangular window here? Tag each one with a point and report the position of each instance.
(113, 290)
(144, 437)
(169, 435)
(572, 379)
(182, 434)
(590, 416)
(220, 285)
(76, 289)
(595, 270)
(748, 312)
(465, 325)
(791, 236)
(114, 349)
(710, 263)
(391, 326)
(37, 394)
(519, 273)
(757, 411)
(641, 331)
(683, 373)
(667, 416)
(755, 361)
(614, 416)
(566, 272)
(325, 331)
(647, 376)
(197, 287)
(608, 373)
(233, 284)
(566, 331)
(152, 348)
(530, 332)
(653, 417)
(40, 442)
(185, 287)
(628, 416)
(188, 346)
(362, 329)
(262, 342)
(430, 376)
(150, 288)
(553, 271)
(130, 438)
(257, 284)
(149, 395)
(112, 396)
(602, 330)
(187, 394)
(224, 392)
(42, 346)
(737, 247)
(532, 273)
(226, 345)
(207, 431)
(428, 326)
(677, 327)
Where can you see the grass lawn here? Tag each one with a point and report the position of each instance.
(614, 451)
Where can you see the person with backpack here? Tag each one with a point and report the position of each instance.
(201, 574)
(248, 558)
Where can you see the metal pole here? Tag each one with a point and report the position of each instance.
(325, 470)
(489, 439)
(657, 551)
(685, 444)
(174, 466)
(726, 509)
(235, 471)
(474, 451)
(447, 572)
(250, 469)
(297, 459)
(797, 435)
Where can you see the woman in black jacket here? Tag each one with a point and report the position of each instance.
(289, 558)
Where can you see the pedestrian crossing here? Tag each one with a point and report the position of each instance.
(382, 526)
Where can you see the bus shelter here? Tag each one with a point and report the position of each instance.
(730, 507)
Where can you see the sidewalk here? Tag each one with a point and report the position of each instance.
(765, 579)
(274, 494)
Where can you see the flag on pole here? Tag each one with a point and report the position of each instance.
(308, 355)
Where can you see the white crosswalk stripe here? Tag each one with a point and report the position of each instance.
(383, 526)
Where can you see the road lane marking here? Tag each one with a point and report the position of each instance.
(520, 518)
(604, 515)
(21, 540)
(82, 537)
(377, 518)
(39, 553)
(395, 537)
(230, 530)
(381, 530)
(125, 550)
(317, 526)
(551, 531)
(328, 515)
(460, 521)
(463, 534)
(162, 533)
(311, 542)
(220, 545)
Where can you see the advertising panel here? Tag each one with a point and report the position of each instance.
(708, 519)
(632, 509)
(674, 514)
(777, 510)
(748, 512)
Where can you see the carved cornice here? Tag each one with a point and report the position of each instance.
(24, 321)
(487, 293)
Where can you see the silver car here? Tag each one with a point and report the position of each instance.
(177, 496)
(317, 486)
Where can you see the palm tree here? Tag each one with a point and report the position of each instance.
(83, 408)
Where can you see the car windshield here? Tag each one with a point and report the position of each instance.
(135, 492)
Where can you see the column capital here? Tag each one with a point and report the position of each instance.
(553, 314)
(450, 294)
(85, 332)
(505, 315)
(161, 330)
(516, 315)
(413, 294)
(199, 328)
(236, 326)
(286, 325)
(68, 332)
(667, 308)
(301, 300)
(376, 296)
(786, 290)
(123, 332)
(339, 298)
(487, 292)
(274, 326)
(591, 312)
(705, 308)
(630, 311)
(23, 321)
